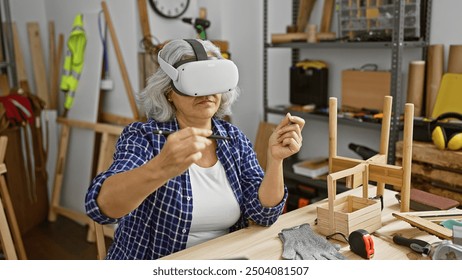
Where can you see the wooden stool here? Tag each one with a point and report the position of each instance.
(10, 235)
(352, 213)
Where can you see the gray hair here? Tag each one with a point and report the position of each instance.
(153, 98)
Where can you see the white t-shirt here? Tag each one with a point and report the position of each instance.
(215, 208)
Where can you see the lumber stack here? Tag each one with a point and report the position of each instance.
(435, 171)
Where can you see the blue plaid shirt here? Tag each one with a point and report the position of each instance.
(161, 224)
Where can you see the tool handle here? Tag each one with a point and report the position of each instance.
(416, 245)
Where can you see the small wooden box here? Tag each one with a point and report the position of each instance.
(433, 170)
(363, 89)
(350, 213)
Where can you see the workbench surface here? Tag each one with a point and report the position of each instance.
(263, 243)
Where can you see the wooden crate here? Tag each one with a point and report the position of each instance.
(433, 170)
(350, 213)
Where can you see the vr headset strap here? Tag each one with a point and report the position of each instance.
(198, 49)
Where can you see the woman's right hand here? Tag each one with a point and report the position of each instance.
(182, 149)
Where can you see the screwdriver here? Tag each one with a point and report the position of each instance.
(416, 245)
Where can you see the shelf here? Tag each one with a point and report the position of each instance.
(351, 45)
(319, 184)
(325, 117)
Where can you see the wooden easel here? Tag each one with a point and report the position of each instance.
(338, 216)
(10, 235)
(109, 133)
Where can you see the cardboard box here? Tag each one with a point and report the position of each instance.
(364, 89)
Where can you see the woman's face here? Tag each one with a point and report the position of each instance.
(195, 108)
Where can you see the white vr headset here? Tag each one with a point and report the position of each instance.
(201, 75)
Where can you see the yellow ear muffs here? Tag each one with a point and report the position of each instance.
(455, 142)
(439, 137)
(447, 137)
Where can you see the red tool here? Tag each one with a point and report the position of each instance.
(361, 243)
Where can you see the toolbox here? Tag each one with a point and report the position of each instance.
(364, 88)
(308, 83)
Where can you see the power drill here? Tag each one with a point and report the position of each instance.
(200, 25)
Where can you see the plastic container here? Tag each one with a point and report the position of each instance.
(373, 20)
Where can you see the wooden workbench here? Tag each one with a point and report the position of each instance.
(263, 243)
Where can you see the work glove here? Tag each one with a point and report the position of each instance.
(301, 242)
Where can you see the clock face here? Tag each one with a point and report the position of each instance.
(169, 8)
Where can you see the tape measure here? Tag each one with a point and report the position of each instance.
(361, 243)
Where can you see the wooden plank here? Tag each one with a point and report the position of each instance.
(427, 152)
(79, 217)
(437, 215)
(59, 172)
(38, 62)
(388, 174)
(141, 70)
(4, 85)
(52, 66)
(277, 38)
(341, 163)
(431, 188)
(425, 225)
(144, 22)
(97, 127)
(6, 240)
(304, 11)
(19, 57)
(327, 12)
(8, 205)
(115, 119)
(54, 94)
(433, 174)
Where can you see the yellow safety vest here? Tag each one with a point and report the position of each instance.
(73, 62)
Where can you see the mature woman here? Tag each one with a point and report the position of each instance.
(167, 193)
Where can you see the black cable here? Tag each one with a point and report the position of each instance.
(339, 233)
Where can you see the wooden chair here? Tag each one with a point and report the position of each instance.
(379, 170)
(109, 134)
(350, 213)
(10, 235)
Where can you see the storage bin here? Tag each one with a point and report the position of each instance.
(373, 20)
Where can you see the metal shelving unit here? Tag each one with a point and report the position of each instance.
(396, 45)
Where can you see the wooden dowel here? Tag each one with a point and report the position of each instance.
(407, 156)
(385, 135)
(332, 131)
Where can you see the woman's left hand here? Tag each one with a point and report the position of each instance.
(286, 139)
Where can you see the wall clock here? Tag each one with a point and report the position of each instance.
(169, 8)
